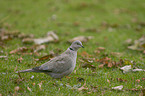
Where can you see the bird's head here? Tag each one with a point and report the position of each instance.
(76, 45)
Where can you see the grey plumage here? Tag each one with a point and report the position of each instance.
(61, 65)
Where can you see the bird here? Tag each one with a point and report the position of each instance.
(61, 65)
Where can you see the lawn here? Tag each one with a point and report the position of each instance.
(110, 22)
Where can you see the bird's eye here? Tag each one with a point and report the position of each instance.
(78, 44)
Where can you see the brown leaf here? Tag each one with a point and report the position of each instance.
(85, 54)
(20, 59)
(82, 88)
(29, 88)
(121, 80)
(46, 57)
(116, 54)
(110, 64)
(81, 38)
(142, 92)
(17, 88)
(108, 81)
(40, 84)
(4, 57)
(21, 49)
(1, 94)
(87, 65)
(137, 80)
(22, 35)
(50, 37)
(37, 48)
(143, 78)
(101, 66)
(101, 48)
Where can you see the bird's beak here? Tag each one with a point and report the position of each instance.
(83, 46)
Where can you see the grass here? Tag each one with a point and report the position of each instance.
(35, 16)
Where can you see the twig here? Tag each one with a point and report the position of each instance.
(19, 75)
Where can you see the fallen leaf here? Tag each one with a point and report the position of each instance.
(137, 80)
(17, 88)
(117, 54)
(20, 59)
(135, 70)
(50, 37)
(81, 38)
(101, 66)
(126, 68)
(108, 81)
(128, 41)
(3, 57)
(121, 80)
(46, 57)
(37, 48)
(85, 54)
(29, 88)
(33, 84)
(87, 65)
(118, 87)
(138, 45)
(142, 92)
(1, 94)
(101, 48)
(21, 49)
(40, 84)
(82, 88)
(22, 35)
(32, 77)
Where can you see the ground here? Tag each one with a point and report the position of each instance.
(110, 22)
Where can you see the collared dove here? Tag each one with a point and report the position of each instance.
(61, 65)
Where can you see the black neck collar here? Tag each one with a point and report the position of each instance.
(71, 49)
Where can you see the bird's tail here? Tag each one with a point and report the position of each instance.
(27, 70)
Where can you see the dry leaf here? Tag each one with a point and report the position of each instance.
(82, 88)
(108, 81)
(138, 45)
(5, 57)
(29, 89)
(32, 77)
(21, 49)
(51, 37)
(40, 84)
(1, 94)
(137, 80)
(126, 68)
(118, 87)
(22, 35)
(142, 92)
(116, 54)
(81, 38)
(87, 65)
(46, 57)
(20, 59)
(101, 48)
(121, 80)
(101, 66)
(33, 84)
(135, 70)
(17, 88)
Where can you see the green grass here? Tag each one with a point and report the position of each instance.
(34, 16)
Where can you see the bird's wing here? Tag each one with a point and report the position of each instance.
(58, 64)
